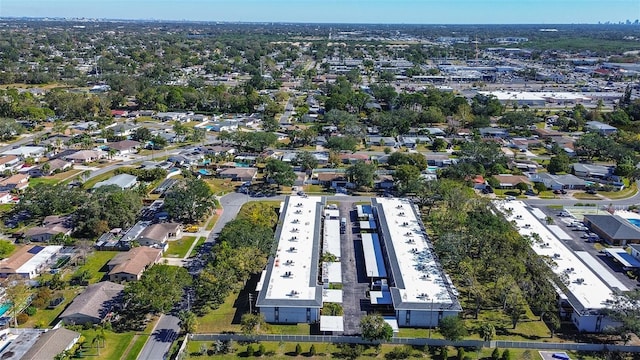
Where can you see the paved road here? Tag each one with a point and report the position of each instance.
(231, 204)
(165, 333)
(140, 159)
(633, 200)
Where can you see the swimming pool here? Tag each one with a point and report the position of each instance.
(635, 222)
(239, 164)
(4, 308)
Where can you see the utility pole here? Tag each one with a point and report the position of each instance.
(250, 303)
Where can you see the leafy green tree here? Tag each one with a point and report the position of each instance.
(487, 331)
(407, 178)
(142, 134)
(279, 172)
(306, 160)
(416, 159)
(343, 143)
(188, 321)
(506, 355)
(559, 163)
(108, 205)
(45, 199)
(250, 323)
(522, 187)
(298, 350)
(242, 232)
(159, 289)
(374, 328)
(17, 291)
(495, 354)
(452, 328)
(540, 187)
(189, 201)
(438, 144)
(6, 248)
(361, 174)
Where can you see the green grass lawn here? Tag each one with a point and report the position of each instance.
(201, 241)
(44, 318)
(213, 220)
(297, 329)
(114, 346)
(585, 196)
(138, 341)
(220, 319)
(89, 184)
(179, 248)
(312, 189)
(221, 186)
(622, 194)
(96, 264)
(42, 180)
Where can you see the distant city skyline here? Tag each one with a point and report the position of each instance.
(336, 11)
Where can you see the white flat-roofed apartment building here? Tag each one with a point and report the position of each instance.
(588, 295)
(288, 290)
(421, 293)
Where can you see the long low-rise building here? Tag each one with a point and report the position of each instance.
(587, 295)
(29, 261)
(288, 290)
(421, 293)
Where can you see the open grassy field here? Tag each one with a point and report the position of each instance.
(221, 186)
(179, 248)
(286, 350)
(220, 319)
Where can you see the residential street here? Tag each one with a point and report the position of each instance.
(159, 343)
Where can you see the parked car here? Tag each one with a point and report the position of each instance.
(591, 191)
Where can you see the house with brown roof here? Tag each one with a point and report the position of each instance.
(58, 165)
(159, 234)
(85, 156)
(239, 173)
(28, 261)
(94, 304)
(5, 197)
(16, 182)
(508, 181)
(129, 266)
(51, 226)
(51, 343)
(125, 147)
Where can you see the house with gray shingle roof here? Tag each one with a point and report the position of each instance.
(613, 229)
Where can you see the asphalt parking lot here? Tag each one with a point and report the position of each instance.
(577, 243)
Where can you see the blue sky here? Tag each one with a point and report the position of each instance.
(337, 11)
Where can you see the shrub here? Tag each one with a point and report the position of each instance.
(261, 350)
(495, 355)
(506, 355)
(31, 311)
(461, 354)
(398, 353)
(22, 318)
(250, 350)
(312, 350)
(298, 349)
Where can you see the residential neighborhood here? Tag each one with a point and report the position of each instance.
(192, 190)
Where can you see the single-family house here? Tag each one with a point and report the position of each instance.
(239, 173)
(94, 304)
(381, 141)
(412, 142)
(158, 234)
(494, 132)
(125, 147)
(85, 156)
(124, 181)
(24, 152)
(51, 226)
(58, 165)
(29, 261)
(9, 162)
(508, 181)
(52, 343)
(17, 182)
(228, 126)
(125, 129)
(600, 128)
(591, 170)
(352, 158)
(559, 182)
(129, 265)
(613, 229)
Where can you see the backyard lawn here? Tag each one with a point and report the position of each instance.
(220, 319)
(44, 318)
(179, 248)
(96, 264)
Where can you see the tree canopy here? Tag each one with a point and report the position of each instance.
(189, 201)
(159, 289)
(374, 328)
